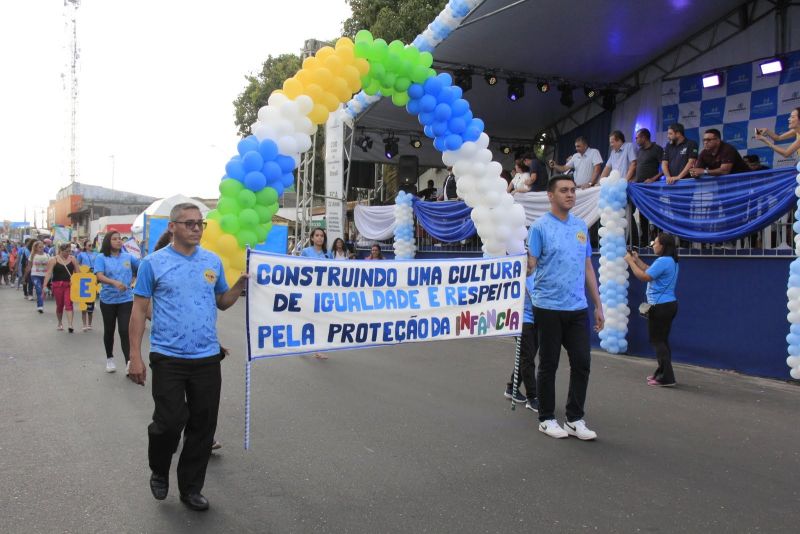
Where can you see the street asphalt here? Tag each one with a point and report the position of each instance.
(411, 438)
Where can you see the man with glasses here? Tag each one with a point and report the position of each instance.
(717, 157)
(586, 162)
(187, 285)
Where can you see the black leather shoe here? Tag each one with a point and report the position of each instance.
(195, 501)
(159, 486)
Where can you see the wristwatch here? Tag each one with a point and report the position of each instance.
(705, 171)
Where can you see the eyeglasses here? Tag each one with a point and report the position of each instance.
(709, 139)
(191, 225)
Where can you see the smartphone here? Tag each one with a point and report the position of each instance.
(755, 132)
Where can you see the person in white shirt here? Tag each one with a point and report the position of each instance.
(621, 157)
(586, 163)
(521, 183)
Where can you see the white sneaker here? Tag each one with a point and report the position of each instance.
(552, 429)
(579, 430)
(110, 367)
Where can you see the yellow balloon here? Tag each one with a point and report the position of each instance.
(353, 78)
(330, 101)
(226, 245)
(212, 231)
(311, 63)
(344, 42)
(238, 261)
(362, 65)
(324, 52)
(334, 64)
(231, 276)
(322, 77)
(304, 77)
(293, 88)
(341, 89)
(315, 92)
(319, 115)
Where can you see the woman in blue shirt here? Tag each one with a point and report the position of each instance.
(86, 257)
(319, 245)
(661, 278)
(115, 270)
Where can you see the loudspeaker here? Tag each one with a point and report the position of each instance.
(362, 174)
(408, 170)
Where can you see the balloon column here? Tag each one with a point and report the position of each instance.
(404, 247)
(793, 294)
(613, 269)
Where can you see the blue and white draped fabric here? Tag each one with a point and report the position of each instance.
(375, 222)
(537, 204)
(446, 221)
(716, 209)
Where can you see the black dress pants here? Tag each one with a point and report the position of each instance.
(529, 345)
(569, 329)
(186, 395)
(116, 315)
(659, 324)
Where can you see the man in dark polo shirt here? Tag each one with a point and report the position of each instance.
(680, 154)
(538, 171)
(648, 170)
(717, 158)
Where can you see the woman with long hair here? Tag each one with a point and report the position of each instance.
(661, 278)
(86, 257)
(60, 269)
(375, 252)
(768, 136)
(339, 250)
(115, 270)
(319, 245)
(37, 269)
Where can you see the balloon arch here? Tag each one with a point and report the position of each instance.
(256, 178)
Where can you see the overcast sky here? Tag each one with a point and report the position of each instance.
(157, 81)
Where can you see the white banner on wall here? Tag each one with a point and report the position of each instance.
(300, 305)
(334, 178)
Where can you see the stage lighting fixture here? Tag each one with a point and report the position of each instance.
(543, 86)
(365, 143)
(609, 102)
(463, 79)
(505, 149)
(415, 142)
(390, 147)
(491, 78)
(567, 100)
(516, 88)
(771, 67)
(590, 92)
(712, 80)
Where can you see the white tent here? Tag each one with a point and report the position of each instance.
(163, 207)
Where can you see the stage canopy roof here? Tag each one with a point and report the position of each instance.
(580, 42)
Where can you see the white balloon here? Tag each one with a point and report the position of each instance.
(521, 233)
(303, 142)
(305, 104)
(484, 155)
(516, 246)
(494, 168)
(483, 141)
(287, 145)
(795, 373)
(462, 167)
(449, 158)
(276, 99)
(289, 109)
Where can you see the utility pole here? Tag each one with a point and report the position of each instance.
(71, 15)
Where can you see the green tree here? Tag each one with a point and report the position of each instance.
(273, 73)
(392, 19)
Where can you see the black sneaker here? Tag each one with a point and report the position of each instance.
(520, 398)
(159, 486)
(533, 404)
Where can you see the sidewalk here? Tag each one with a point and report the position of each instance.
(414, 438)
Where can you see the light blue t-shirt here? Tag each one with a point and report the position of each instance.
(527, 314)
(311, 252)
(86, 258)
(183, 290)
(560, 248)
(664, 273)
(620, 160)
(119, 268)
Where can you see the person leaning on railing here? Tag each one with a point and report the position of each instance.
(767, 136)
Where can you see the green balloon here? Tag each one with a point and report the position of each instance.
(377, 71)
(372, 88)
(214, 215)
(362, 49)
(230, 187)
(411, 54)
(264, 214)
(425, 59)
(400, 99)
(401, 85)
(419, 74)
(248, 218)
(246, 238)
(273, 209)
(230, 224)
(228, 205)
(261, 233)
(246, 198)
(393, 62)
(364, 36)
(266, 196)
(379, 51)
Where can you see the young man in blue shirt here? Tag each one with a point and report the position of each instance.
(187, 285)
(559, 253)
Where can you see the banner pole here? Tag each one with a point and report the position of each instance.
(514, 386)
(247, 363)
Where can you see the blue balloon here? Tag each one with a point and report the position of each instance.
(252, 161)
(272, 171)
(429, 131)
(278, 187)
(439, 144)
(432, 87)
(457, 92)
(287, 180)
(795, 329)
(471, 134)
(477, 124)
(460, 107)
(235, 169)
(255, 181)
(416, 91)
(268, 149)
(445, 79)
(457, 125)
(427, 103)
(453, 142)
(443, 112)
(286, 163)
(439, 129)
(426, 118)
(413, 107)
(247, 144)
